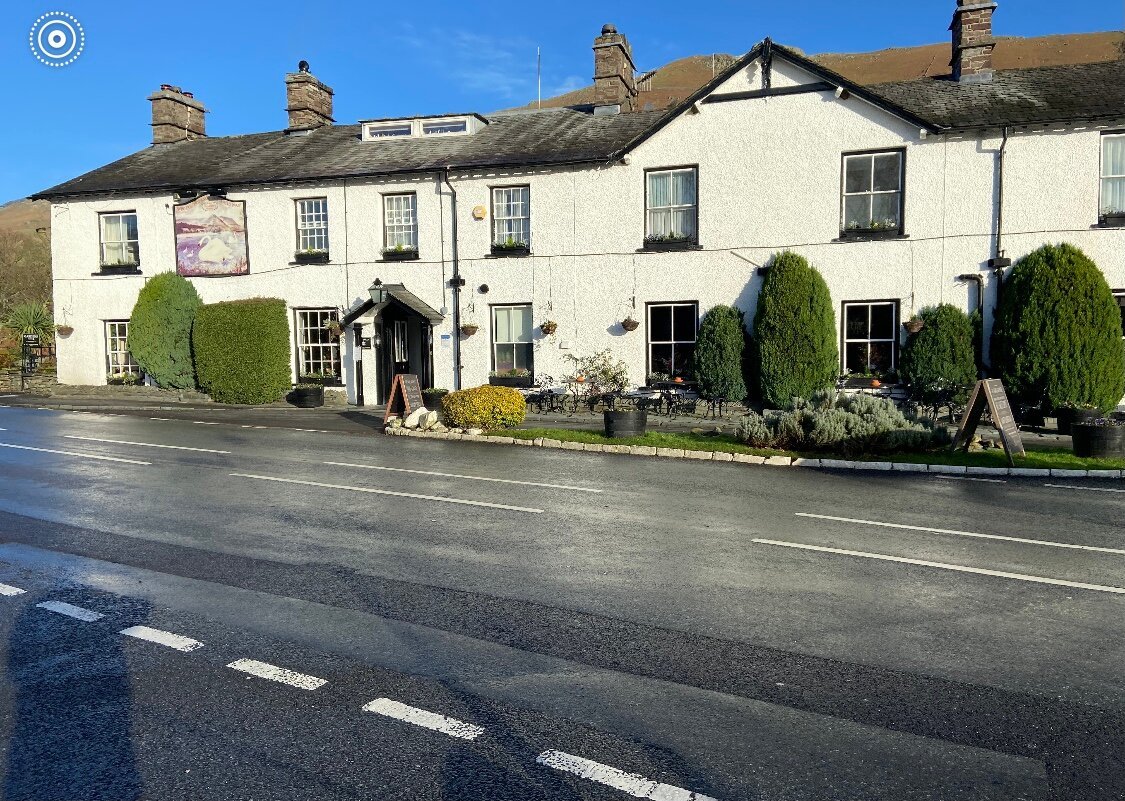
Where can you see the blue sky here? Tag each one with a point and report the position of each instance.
(389, 59)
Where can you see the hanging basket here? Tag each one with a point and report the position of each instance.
(913, 326)
(629, 324)
(469, 329)
(549, 327)
(64, 330)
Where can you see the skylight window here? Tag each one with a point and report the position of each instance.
(453, 125)
(381, 131)
(445, 127)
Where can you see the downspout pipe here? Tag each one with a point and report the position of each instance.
(999, 262)
(456, 282)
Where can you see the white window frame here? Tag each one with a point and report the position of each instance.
(872, 192)
(502, 197)
(496, 342)
(126, 245)
(388, 130)
(400, 221)
(434, 127)
(119, 360)
(1105, 176)
(672, 306)
(893, 339)
(316, 352)
(312, 224)
(401, 342)
(670, 210)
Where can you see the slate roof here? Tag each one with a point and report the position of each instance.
(1086, 92)
(548, 137)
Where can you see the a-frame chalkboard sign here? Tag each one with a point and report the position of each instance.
(406, 396)
(991, 393)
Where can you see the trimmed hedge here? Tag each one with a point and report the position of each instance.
(938, 361)
(794, 333)
(486, 407)
(160, 330)
(1057, 337)
(242, 350)
(719, 354)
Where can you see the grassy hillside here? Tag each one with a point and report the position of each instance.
(24, 216)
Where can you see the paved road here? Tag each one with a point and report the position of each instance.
(331, 616)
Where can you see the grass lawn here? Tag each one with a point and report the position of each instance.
(1037, 458)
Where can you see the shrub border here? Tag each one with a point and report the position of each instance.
(771, 461)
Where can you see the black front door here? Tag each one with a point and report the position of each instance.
(406, 346)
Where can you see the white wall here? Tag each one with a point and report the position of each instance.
(769, 178)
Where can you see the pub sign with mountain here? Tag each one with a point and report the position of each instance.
(211, 237)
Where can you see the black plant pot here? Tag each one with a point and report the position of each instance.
(432, 400)
(1098, 442)
(510, 380)
(1066, 418)
(627, 423)
(306, 397)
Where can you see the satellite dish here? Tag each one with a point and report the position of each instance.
(303, 66)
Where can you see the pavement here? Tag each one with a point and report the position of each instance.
(328, 615)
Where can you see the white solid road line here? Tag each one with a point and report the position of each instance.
(972, 478)
(457, 475)
(162, 638)
(1087, 489)
(70, 610)
(1048, 543)
(264, 670)
(73, 453)
(421, 717)
(944, 566)
(438, 498)
(143, 444)
(631, 783)
(8, 589)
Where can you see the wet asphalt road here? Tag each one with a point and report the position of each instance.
(684, 627)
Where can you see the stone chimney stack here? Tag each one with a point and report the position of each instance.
(176, 115)
(309, 102)
(972, 41)
(615, 87)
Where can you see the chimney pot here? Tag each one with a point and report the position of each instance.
(615, 84)
(176, 116)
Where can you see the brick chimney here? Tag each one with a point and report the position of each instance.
(972, 41)
(176, 115)
(614, 86)
(309, 102)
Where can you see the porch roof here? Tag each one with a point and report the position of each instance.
(400, 295)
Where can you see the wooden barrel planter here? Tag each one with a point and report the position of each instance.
(1066, 418)
(1094, 441)
(626, 423)
(306, 397)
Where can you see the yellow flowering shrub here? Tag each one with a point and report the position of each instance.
(485, 407)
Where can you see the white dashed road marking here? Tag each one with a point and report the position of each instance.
(8, 589)
(944, 566)
(264, 670)
(73, 453)
(1088, 489)
(631, 783)
(204, 423)
(162, 638)
(438, 498)
(70, 610)
(143, 444)
(456, 475)
(420, 717)
(1049, 543)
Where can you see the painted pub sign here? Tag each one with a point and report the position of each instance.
(211, 237)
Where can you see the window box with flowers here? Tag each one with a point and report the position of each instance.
(311, 257)
(400, 253)
(661, 243)
(876, 229)
(1112, 219)
(510, 378)
(511, 248)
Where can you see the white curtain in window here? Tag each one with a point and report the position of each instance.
(671, 203)
(1113, 174)
(513, 324)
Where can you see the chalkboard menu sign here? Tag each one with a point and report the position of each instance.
(406, 396)
(991, 394)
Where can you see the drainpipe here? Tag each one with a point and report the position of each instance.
(999, 262)
(455, 283)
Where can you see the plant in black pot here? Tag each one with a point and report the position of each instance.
(1103, 438)
(309, 390)
(431, 397)
(625, 423)
(1069, 414)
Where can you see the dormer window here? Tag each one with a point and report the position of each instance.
(381, 131)
(445, 127)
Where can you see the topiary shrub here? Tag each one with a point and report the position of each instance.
(160, 330)
(1057, 336)
(938, 362)
(486, 407)
(848, 425)
(794, 333)
(242, 350)
(719, 349)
